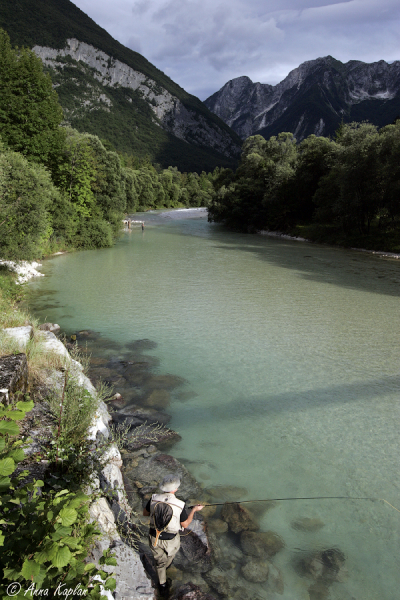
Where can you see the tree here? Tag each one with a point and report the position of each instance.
(26, 192)
(30, 114)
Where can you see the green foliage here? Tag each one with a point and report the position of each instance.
(45, 534)
(26, 192)
(29, 108)
(345, 189)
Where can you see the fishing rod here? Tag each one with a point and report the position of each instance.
(307, 498)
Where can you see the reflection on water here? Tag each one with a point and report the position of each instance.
(278, 362)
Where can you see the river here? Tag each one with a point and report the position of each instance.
(290, 352)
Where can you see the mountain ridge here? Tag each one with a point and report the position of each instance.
(313, 98)
(188, 135)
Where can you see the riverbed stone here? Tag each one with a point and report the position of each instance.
(308, 524)
(219, 581)
(164, 382)
(327, 565)
(146, 435)
(155, 466)
(13, 376)
(140, 345)
(217, 526)
(190, 591)
(137, 415)
(238, 518)
(255, 571)
(194, 553)
(261, 544)
(227, 493)
(158, 399)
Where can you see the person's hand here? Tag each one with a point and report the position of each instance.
(198, 507)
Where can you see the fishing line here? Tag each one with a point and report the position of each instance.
(307, 498)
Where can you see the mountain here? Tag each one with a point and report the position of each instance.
(113, 92)
(314, 98)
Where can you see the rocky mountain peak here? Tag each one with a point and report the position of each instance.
(313, 98)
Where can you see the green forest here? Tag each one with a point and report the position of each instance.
(344, 190)
(61, 189)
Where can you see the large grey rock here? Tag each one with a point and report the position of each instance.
(238, 518)
(21, 335)
(261, 544)
(53, 327)
(255, 571)
(152, 469)
(13, 376)
(136, 415)
(219, 582)
(190, 591)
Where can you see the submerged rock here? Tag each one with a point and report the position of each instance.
(145, 344)
(135, 415)
(308, 524)
(158, 399)
(190, 591)
(261, 544)
(53, 327)
(227, 493)
(256, 571)
(217, 526)
(238, 518)
(153, 468)
(326, 565)
(164, 382)
(218, 581)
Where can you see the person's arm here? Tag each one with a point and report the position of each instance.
(191, 515)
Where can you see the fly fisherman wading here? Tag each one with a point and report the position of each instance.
(168, 517)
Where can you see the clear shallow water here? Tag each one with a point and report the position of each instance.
(293, 351)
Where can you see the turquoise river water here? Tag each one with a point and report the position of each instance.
(292, 353)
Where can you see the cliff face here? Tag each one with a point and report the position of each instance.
(97, 73)
(314, 98)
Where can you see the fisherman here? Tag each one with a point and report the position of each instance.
(166, 544)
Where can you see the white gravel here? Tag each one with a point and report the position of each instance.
(24, 269)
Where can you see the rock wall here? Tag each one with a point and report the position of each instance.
(168, 110)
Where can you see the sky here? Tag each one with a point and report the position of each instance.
(202, 44)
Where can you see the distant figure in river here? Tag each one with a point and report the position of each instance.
(142, 225)
(168, 516)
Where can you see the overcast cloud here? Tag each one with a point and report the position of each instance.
(202, 44)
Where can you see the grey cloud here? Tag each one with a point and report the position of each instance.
(140, 7)
(202, 44)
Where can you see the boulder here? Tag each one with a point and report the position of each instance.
(139, 345)
(227, 493)
(308, 524)
(145, 435)
(255, 571)
(261, 544)
(158, 399)
(326, 565)
(219, 582)
(136, 415)
(53, 327)
(238, 518)
(21, 335)
(13, 376)
(190, 591)
(154, 467)
(194, 554)
(164, 382)
(217, 526)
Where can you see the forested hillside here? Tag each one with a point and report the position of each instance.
(151, 117)
(344, 190)
(63, 189)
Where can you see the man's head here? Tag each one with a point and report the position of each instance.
(170, 483)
